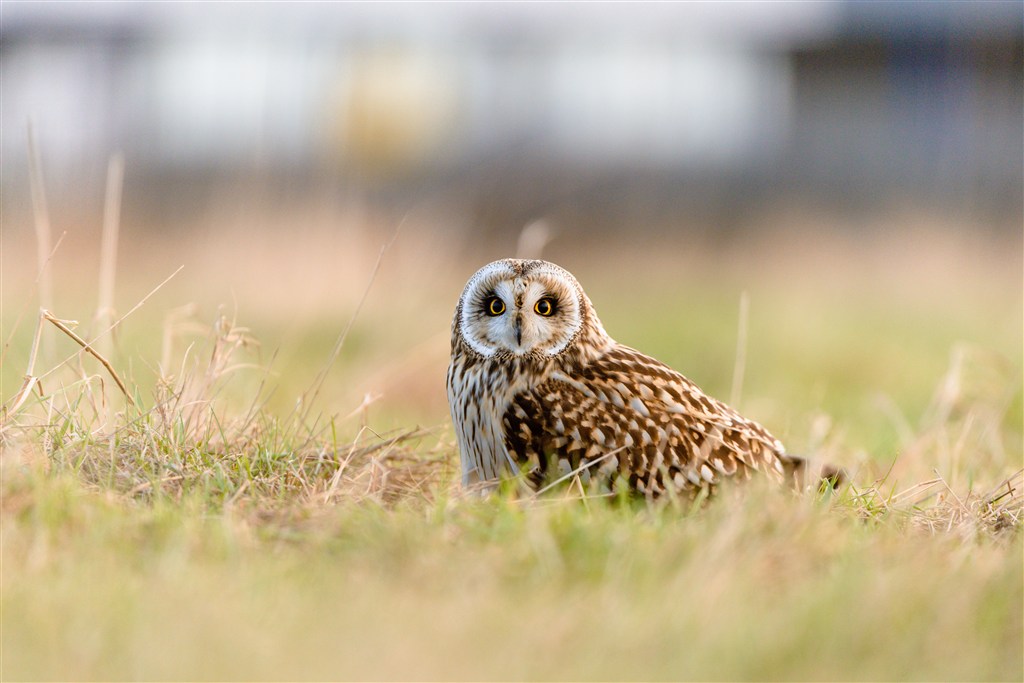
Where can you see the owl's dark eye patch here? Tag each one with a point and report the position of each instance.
(494, 306)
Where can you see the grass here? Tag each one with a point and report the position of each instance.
(227, 526)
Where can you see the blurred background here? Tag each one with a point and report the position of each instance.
(603, 116)
(855, 166)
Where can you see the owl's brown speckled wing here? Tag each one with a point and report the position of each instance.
(628, 414)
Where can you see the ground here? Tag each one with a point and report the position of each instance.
(265, 512)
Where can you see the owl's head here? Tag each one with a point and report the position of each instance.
(519, 307)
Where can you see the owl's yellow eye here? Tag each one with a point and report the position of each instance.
(545, 306)
(494, 306)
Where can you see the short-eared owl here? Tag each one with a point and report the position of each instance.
(536, 386)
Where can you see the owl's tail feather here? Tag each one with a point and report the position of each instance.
(802, 472)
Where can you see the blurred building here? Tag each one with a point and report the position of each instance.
(518, 108)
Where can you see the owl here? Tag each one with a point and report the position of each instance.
(537, 387)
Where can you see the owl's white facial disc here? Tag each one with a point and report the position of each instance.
(520, 307)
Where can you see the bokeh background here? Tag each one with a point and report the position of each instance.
(856, 168)
(607, 117)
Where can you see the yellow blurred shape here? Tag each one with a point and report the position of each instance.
(398, 109)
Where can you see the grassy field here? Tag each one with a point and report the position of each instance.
(246, 520)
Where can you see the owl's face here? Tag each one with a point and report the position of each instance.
(517, 307)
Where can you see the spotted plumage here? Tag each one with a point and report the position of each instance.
(536, 386)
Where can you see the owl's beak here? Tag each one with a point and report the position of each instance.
(519, 330)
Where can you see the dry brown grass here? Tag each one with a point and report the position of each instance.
(242, 501)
